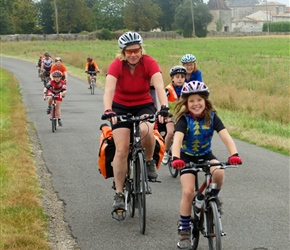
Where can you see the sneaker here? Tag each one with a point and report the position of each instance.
(48, 110)
(151, 170)
(184, 242)
(59, 122)
(165, 158)
(119, 201)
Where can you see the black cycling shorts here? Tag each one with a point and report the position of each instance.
(139, 110)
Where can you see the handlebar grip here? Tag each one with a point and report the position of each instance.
(104, 117)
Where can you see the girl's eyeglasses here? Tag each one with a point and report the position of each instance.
(131, 51)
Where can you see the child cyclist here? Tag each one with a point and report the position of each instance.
(56, 87)
(173, 91)
(193, 73)
(196, 121)
(91, 66)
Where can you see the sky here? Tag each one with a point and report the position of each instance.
(287, 2)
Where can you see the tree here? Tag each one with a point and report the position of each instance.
(202, 18)
(166, 17)
(108, 14)
(22, 14)
(183, 18)
(74, 16)
(6, 22)
(46, 11)
(141, 15)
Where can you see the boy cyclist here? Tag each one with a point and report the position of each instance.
(91, 66)
(173, 91)
(56, 87)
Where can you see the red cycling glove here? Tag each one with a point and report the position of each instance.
(109, 113)
(235, 159)
(177, 163)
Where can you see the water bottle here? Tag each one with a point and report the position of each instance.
(199, 200)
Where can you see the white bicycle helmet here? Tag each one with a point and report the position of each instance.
(194, 87)
(129, 38)
(188, 58)
(177, 70)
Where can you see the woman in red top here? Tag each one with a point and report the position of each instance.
(59, 66)
(56, 87)
(127, 90)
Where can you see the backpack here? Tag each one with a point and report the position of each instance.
(106, 151)
(159, 148)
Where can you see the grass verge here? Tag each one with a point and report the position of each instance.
(23, 221)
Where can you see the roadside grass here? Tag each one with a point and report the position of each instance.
(247, 76)
(23, 222)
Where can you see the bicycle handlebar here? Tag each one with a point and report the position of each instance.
(197, 167)
(130, 118)
(92, 72)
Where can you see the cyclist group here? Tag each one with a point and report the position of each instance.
(185, 109)
(189, 130)
(56, 72)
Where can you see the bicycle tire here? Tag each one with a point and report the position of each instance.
(131, 198)
(194, 233)
(92, 86)
(173, 171)
(141, 191)
(53, 119)
(213, 226)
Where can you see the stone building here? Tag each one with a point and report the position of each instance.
(221, 16)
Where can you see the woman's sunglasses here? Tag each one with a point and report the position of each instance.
(131, 51)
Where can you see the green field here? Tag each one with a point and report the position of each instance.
(248, 77)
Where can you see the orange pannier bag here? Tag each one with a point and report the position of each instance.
(106, 151)
(159, 148)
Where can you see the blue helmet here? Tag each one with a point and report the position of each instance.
(188, 58)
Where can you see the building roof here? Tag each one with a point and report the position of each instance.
(217, 5)
(242, 3)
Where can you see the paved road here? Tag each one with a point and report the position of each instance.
(255, 196)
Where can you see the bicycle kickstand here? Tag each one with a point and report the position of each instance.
(119, 214)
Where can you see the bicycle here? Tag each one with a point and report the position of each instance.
(53, 118)
(136, 182)
(92, 81)
(206, 218)
(162, 130)
(46, 77)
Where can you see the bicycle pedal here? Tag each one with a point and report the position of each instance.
(119, 214)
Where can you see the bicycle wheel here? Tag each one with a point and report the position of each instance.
(53, 118)
(141, 191)
(213, 227)
(130, 197)
(92, 86)
(173, 171)
(194, 233)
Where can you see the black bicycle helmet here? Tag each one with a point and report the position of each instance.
(177, 70)
(56, 73)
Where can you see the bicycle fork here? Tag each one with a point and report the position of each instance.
(205, 232)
